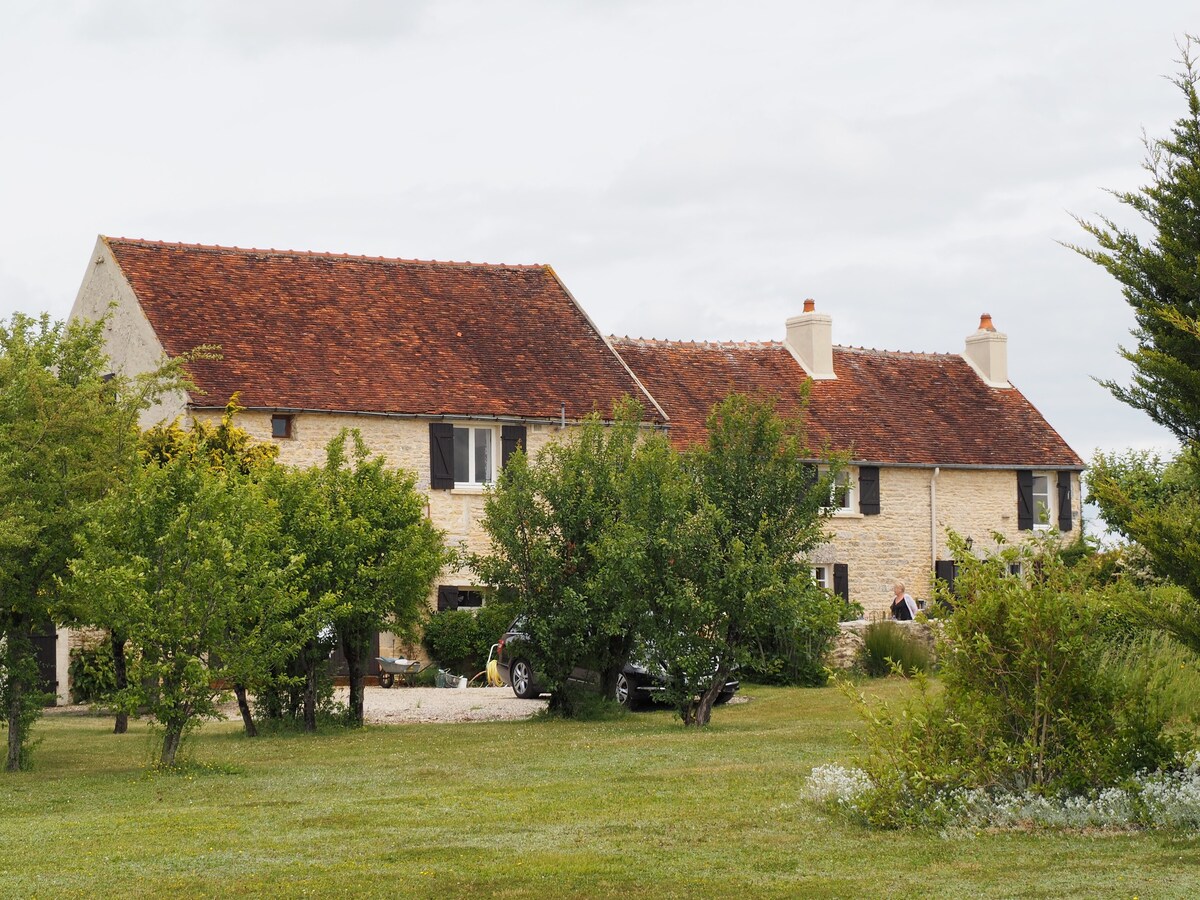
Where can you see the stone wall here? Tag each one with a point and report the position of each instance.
(404, 443)
(132, 345)
(902, 543)
(847, 649)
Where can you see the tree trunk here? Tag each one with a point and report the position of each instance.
(356, 646)
(19, 653)
(701, 711)
(310, 696)
(357, 666)
(239, 691)
(618, 653)
(171, 741)
(13, 713)
(121, 673)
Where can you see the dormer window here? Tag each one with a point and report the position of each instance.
(281, 426)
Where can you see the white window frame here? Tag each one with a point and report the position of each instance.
(848, 477)
(823, 576)
(1050, 495)
(474, 479)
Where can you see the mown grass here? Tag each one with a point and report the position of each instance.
(634, 807)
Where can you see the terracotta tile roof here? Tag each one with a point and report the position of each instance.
(322, 331)
(884, 407)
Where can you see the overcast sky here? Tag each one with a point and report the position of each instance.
(691, 170)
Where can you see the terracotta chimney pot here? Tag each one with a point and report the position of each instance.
(810, 305)
(985, 322)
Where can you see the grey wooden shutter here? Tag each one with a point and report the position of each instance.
(441, 455)
(841, 581)
(868, 490)
(447, 597)
(945, 570)
(1064, 501)
(511, 437)
(1024, 500)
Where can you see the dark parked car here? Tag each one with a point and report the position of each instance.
(637, 684)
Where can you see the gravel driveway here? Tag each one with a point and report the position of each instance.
(388, 706)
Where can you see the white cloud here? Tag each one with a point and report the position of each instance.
(692, 169)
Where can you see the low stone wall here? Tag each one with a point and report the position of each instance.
(848, 645)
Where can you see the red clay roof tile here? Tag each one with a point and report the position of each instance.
(884, 407)
(302, 330)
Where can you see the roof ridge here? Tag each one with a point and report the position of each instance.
(302, 254)
(669, 342)
(874, 350)
(770, 344)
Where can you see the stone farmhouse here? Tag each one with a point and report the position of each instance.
(447, 367)
(937, 441)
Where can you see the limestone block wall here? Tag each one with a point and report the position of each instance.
(903, 541)
(131, 342)
(848, 647)
(404, 443)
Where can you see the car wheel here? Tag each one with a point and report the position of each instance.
(521, 676)
(626, 693)
(724, 697)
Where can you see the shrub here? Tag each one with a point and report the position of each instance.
(1031, 701)
(1168, 800)
(1168, 671)
(885, 643)
(459, 640)
(93, 673)
(794, 652)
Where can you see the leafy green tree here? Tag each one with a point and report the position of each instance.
(68, 429)
(185, 554)
(227, 449)
(1160, 274)
(370, 553)
(1154, 503)
(760, 514)
(301, 683)
(576, 541)
(1148, 500)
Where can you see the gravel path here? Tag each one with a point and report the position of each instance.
(392, 706)
(421, 704)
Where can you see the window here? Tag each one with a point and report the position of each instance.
(281, 426)
(1042, 509)
(473, 455)
(821, 576)
(470, 598)
(842, 492)
(451, 597)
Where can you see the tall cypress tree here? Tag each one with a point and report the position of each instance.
(1160, 273)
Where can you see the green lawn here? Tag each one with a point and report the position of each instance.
(634, 807)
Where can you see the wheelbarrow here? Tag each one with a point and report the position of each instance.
(397, 667)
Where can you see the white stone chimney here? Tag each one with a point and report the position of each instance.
(987, 353)
(810, 340)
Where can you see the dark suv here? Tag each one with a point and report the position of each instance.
(637, 684)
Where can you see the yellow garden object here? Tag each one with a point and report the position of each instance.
(493, 674)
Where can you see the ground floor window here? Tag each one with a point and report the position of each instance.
(820, 575)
